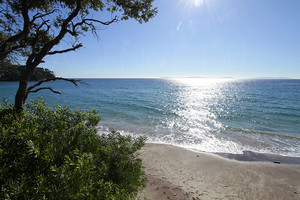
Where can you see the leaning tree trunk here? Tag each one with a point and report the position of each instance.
(22, 94)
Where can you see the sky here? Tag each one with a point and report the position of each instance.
(193, 38)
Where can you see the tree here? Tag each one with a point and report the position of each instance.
(31, 30)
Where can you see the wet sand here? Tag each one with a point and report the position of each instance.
(176, 173)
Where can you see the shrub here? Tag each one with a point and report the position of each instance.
(56, 153)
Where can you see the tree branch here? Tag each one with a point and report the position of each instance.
(103, 23)
(39, 15)
(38, 28)
(5, 48)
(54, 79)
(47, 47)
(30, 89)
(89, 22)
(44, 88)
(66, 50)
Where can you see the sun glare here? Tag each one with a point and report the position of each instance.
(200, 82)
(193, 3)
(198, 3)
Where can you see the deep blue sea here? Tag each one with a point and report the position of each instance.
(210, 115)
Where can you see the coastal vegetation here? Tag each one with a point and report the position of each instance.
(56, 153)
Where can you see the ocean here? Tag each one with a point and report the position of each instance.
(201, 114)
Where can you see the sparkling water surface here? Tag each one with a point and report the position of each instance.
(211, 115)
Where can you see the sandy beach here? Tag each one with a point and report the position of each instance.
(177, 173)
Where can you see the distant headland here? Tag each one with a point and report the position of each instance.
(13, 73)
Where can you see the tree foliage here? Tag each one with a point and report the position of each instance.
(34, 27)
(56, 154)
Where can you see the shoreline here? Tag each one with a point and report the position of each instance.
(250, 156)
(177, 173)
(247, 156)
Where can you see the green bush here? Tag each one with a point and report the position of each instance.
(57, 154)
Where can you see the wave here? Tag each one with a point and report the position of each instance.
(213, 142)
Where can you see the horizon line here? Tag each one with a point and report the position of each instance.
(239, 78)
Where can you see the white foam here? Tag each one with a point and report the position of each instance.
(201, 140)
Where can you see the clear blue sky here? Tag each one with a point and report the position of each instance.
(194, 38)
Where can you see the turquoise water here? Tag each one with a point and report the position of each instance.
(211, 115)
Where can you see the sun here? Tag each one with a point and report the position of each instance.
(190, 4)
(198, 3)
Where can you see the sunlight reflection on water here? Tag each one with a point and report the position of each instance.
(196, 122)
(218, 115)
